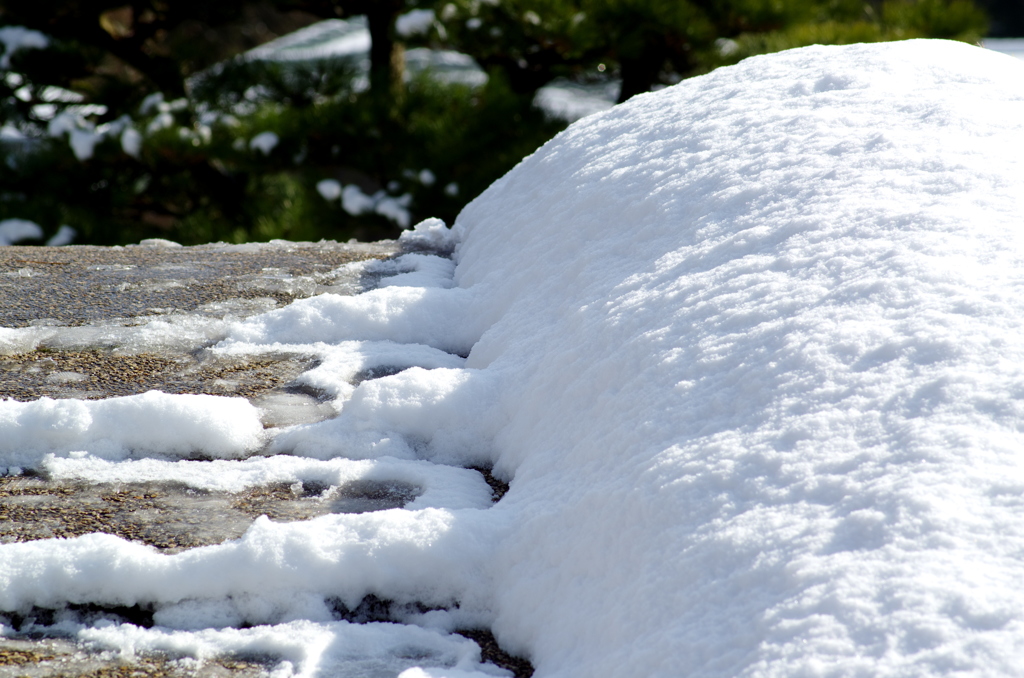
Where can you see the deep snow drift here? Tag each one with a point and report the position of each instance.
(749, 351)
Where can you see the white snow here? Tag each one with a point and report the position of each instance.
(83, 142)
(115, 428)
(131, 142)
(438, 486)
(309, 648)
(264, 142)
(419, 672)
(164, 120)
(151, 102)
(83, 134)
(14, 230)
(65, 235)
(329, 189)
(429, 234)
(354, 201)
(277, 572)
(10, 133)
(414, 22)
(171, 332)
(394, 208)
(571, 101)
(15, 38)
(444, 65)
(747, 350)
(158, 243)
(332, 38)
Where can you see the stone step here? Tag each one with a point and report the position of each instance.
(78, 315)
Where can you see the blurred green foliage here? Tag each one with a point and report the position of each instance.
(652, 42)
(166, 76)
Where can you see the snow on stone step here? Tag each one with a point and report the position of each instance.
(139, 469)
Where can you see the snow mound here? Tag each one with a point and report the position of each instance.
(747, 350)
(761, 331)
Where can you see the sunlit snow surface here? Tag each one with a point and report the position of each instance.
(749, 351)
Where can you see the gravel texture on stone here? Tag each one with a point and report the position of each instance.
(58, 658)
(105, 374)
(170, 517)
(80, 284)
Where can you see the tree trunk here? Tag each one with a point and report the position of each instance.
(386, 54)
(640, 71)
